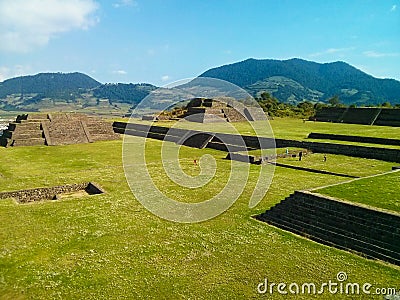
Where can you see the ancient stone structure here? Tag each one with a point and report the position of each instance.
(366, 116)
(338, 223)
(51, 193)
(354, 138)
(205, 110)
(56, 129)
(235, 143)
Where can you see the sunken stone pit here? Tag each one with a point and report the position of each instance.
(54, 193)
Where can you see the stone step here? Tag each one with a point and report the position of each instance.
(345, 216)
(346, 226)
(336, 240)
(351, 210)
(23, 134)
(28, 142)
(104, 137)
(388, 228)
(334, 226)
(37, 116)
(24, 126)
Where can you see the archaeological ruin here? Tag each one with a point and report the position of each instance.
(56, 129)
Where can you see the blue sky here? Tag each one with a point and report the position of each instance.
(163, 41)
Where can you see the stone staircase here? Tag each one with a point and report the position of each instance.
(232, 115)
(204, 110)
(366, 231)
(23, 133)
(56, 129)
(205, 114)
(255, 114)
(100, 130)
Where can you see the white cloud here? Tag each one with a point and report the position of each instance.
(394, 7)
(7, 72)
(165, 78)
(376, 54)
(120, 72)
(25, 25)
(332, 51)
(122, 3)
(4, 73)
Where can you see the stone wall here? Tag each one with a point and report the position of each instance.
(38, 194)
(365, 115)
(388, 117)
(240, 143)
(385, 154)
(354, 138)
(360, 115)
(329, 114)
(342, 224)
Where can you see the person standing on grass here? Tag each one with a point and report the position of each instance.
(300, 155)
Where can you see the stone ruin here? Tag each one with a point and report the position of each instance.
(205, 110)
(56, 129)
(53, 193)
(365, 230)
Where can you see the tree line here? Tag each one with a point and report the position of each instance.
(304, 109)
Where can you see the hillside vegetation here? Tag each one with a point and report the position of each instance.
(67, 91)
(292, 81)
(296, 80)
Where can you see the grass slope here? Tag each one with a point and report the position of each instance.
(379, 191)
(109, 246)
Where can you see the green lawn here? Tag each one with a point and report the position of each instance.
(380, 191)
(109, 246)
(340, 164)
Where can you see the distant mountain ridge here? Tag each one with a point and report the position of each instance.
(48, 84)
(44, 90)
(295, 80)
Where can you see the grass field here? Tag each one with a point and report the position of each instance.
(378, 191)
(109, 246)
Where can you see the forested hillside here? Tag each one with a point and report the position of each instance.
(296, 80)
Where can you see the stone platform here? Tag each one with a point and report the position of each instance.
(205, 110)
(56, 129)
(365, 230)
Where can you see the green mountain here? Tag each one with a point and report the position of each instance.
(295, 80)
(48, 84)
(68, 91)
(124, 93)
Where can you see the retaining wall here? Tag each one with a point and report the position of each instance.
(222, 140)
(354, 138)
(342, 224)
(38, 194)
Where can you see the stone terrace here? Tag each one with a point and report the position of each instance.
(373, 233)
(365, 115)
(56, 129)
(204, 110)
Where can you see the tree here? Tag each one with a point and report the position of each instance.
(334, 101)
